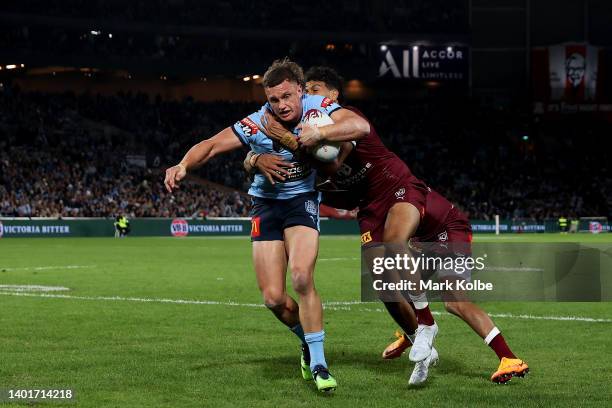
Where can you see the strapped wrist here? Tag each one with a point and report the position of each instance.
(253, 159)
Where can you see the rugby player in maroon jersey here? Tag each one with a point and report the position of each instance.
(395, 207)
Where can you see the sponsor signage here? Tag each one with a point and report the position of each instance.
(424, 63)
(181, 228)
(569, 78)
(30, 229)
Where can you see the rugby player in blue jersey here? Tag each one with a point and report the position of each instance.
(285, 215)
(442, 223)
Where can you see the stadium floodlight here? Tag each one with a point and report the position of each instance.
(246, 78)
(415, 47)
(525, 137)
(11, 66)
(22, 65)
(95, 32)
(110, 35)
(255, 76)
(384, 48)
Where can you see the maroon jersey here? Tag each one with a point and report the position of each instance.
(374, 179)
(370, 168)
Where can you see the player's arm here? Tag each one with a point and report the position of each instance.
(348, 126)
(272, 166)
(199, 154)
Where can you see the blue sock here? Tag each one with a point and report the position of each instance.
(299, 331)
(315, 345)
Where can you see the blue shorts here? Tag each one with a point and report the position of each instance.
(270, 217)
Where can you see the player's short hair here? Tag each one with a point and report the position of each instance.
(281, 70)
(328, 76)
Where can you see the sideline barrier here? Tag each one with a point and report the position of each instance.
(180, 227)
(148, 227)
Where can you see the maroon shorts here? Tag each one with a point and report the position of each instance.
(453, 236)
(372, 217)
(453, 240)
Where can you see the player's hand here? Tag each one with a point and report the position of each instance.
(309, 136)
(174, 174)
(273, 167)
(277, 132)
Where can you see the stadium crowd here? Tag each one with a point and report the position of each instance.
(96, 156)
(67, 156)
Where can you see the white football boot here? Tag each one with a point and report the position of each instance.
(421, 369)
(423, 342)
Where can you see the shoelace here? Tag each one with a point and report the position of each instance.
(321, 371)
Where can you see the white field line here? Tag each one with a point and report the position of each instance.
(345, 306)
(32, 288)
(44, 268)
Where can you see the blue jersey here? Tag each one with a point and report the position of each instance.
(302, 178)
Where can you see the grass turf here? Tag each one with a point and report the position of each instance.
(117, 344)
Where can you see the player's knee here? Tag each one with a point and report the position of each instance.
(454, 308)
(301, 280)
(274, 299)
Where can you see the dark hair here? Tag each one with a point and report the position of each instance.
(328, 76)
(281, 70)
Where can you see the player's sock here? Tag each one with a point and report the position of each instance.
(315, 345)
(421, 309)
(496, 341)
(299, 331)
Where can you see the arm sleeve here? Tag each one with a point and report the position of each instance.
(242, 131)
(321, 103)
(246, 129)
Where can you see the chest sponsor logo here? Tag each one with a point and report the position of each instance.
(348, 176)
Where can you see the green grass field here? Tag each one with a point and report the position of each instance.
(163, 322)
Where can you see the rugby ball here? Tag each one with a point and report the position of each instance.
(325, 152)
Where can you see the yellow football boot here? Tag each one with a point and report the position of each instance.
(395, 349)
(508, 368)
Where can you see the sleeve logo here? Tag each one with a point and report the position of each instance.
(249, 128)
(326, 102)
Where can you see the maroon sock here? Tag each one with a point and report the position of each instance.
(424, 316)
(499, 346)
